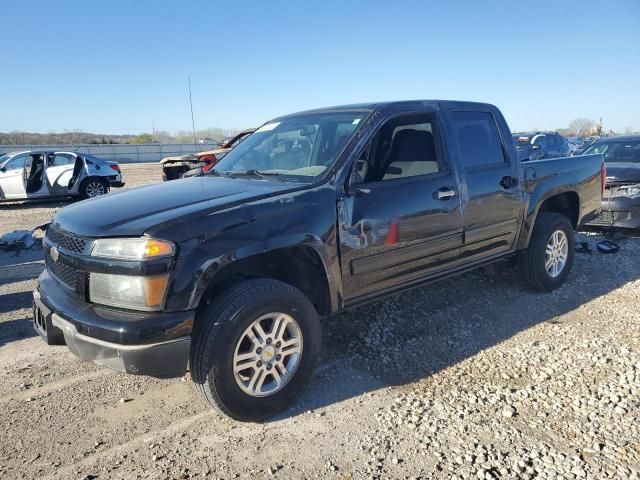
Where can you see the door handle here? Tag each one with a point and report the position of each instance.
(444, 193)
(508, 182)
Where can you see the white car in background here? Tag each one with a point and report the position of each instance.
(42, 174)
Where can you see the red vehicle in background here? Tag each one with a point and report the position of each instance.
(195, 164)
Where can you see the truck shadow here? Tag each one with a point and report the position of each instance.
(14, 301)
(21, 267)
(416, 334)
(14, 330)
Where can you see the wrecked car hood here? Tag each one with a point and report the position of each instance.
(623, 172)
(133, 212)
(193, 157)
(180, 158)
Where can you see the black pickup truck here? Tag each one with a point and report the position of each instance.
(227, 275)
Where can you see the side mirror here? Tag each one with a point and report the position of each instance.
(3, 169)
(535, 147)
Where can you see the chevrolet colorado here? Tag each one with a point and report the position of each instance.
(227, 275)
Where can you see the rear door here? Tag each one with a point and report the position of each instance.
(492, 199)
(400, 219)
(59, 172)
(12, 183)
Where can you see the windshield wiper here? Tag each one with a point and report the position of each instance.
(252, 173)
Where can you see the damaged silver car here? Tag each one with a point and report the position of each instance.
(42, 174)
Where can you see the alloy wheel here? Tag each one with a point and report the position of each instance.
(556, 253)
(267, 354)
(95, 189)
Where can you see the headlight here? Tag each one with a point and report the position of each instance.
(633, 190)
(126, 291)
(132, 248)
(627, 191)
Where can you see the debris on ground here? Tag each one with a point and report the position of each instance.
(583, 247)
(607, 246)
(22, 239)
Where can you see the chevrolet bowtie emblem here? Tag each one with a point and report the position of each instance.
(54, 254)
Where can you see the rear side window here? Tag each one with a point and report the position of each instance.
(478, 138)
(60, 159)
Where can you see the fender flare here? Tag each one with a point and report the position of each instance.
(531, 216)
(212, 266)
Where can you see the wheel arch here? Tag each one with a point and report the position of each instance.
(87, 179)
(299, 265)
(566, 203)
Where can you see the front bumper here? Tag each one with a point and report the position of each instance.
(155, 344)
(618, 212)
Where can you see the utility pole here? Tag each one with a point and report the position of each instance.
(153, 132)
(193, 123)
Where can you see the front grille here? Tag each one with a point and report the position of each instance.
(66, 242)
(70, 277)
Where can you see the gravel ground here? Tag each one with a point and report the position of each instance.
(445, 381)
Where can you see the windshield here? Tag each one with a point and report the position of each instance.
(297, 148)
(624, 152)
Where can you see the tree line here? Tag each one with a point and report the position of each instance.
(77, 137)
(585, 127)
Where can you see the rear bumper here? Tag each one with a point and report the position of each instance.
(618, 212)
(156, 344)
(116, 184)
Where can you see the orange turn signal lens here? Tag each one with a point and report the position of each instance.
(154, 290)
(157, 248)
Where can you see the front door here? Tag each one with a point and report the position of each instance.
(492, 200)
(12, 178)
(400, 218)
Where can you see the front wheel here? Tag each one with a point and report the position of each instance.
(546, 263)
(254, 349)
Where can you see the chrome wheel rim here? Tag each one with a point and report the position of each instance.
(95, 189)
(267, 354)
(556, 253)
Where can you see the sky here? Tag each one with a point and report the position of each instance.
(122, 66)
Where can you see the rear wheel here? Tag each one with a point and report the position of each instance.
(254, 349)
(93, 187)
(546, 263)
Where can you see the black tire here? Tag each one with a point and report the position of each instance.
(219, 328)
(87, 183)
(531, 262)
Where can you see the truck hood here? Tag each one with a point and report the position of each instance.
(133, 212)
(623, 172)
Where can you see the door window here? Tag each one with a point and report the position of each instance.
(478, 138)
(16, 163)
(60, 159)
(403, 147)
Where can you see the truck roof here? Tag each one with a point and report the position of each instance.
(377, 105)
